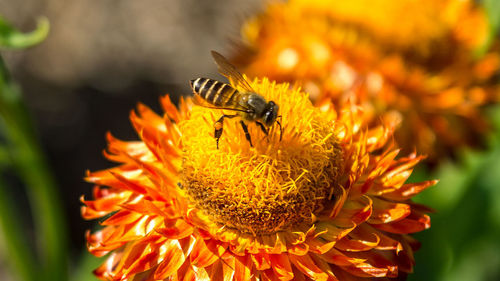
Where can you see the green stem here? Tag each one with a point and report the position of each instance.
(31, 167)
(20, 255)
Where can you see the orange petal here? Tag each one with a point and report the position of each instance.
(143, 263)
(281, 267)
(405, 258)
(336, 257)
(243, 269)
(298, 275)
(95, 240)
(299, 249)
(343, 275)
(173, 259)
(169, 108)
(400, 171)
(307, 266)
(261, 261)
(106, 177)
(122, 217)
(385, 242)
(228, 266)
(139, 187)
(141, 228)
(177, 230)
(190, 275)
(376, 265)
(385, 211)
(383, 162)
(377, 137)
(147, 120)
(217, 272)
(354, 211)
(411, 224)
(268, 275)
(273, 243)
(205, 253)
(104, 270)
(340, 198)
(90, 214)
(147, 207)
(202, 273)
(408, 190)
(104, 205)
(117, 148)
(325, 267)
(356, 241)
(319, 245)
(333, 232)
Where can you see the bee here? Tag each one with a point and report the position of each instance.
(247, 104)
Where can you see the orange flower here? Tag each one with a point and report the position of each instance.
(412, 59)
(327, 202)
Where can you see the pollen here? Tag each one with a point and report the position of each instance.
(276, 184)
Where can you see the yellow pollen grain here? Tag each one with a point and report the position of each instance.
(272, 186)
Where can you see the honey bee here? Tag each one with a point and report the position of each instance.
(248, 105)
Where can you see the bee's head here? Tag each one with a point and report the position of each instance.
(270, 113)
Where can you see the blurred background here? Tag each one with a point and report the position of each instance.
(102, 57)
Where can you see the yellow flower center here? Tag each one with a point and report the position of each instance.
(272, 186)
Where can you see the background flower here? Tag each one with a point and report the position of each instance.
(418, 60)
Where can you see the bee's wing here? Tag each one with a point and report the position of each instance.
(197, 100)
(228, 70)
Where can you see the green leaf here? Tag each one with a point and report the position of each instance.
(20, 257)
(492, 8)
(85, 266)
(10, 37)
(463, 243)
(28, 161)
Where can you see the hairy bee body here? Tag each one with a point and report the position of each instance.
(216, 93)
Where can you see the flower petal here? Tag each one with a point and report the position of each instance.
(408, 190)
(243, 269)
(375, 265)
(307, 266)
(261, 261)
(354, 211)
(207, 252)
(385, 212)
(332, 232)
(282, 267)
(411, 224)
(177, 229)
(122, 217)
(173, 258)
(355, 242)
(336, 257)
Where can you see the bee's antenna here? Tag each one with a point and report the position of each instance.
(281, 128)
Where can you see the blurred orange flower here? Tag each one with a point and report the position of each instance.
(408, 59)
(327, 202)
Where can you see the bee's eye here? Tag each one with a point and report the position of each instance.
(270, 116)
(271, 113)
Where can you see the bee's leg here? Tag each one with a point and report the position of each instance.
(247, 134)
(263, 128)
(281, 128)
(218, 125)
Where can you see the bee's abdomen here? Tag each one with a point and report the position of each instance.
(214, 92)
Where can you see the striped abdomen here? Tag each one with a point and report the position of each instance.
(214, 92)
